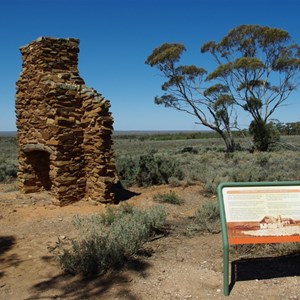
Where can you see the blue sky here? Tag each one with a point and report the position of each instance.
(116, 37)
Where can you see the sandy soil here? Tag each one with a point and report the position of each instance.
(178, 266)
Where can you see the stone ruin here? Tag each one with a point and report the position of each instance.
(64, 128)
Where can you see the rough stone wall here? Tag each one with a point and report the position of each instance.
(64, 127)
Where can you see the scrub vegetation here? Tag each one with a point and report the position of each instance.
(177, 160)
(108, 240)
(182, 159)
(8, 158)
(190, 161)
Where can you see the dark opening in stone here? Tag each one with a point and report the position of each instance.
(39, 162)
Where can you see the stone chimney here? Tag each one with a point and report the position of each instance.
(64, 128)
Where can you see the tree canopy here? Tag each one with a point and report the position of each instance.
(257, 67)
(184, 92)
(260, 67)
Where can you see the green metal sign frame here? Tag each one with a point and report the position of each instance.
(224, 223)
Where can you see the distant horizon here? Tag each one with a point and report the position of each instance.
(123, 132)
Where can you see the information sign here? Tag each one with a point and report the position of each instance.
(258, 212)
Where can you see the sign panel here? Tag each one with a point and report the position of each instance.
(258, 212)
(262, 214)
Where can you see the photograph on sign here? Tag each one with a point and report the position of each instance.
(265, 214)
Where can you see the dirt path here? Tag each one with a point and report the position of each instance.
(176, 267)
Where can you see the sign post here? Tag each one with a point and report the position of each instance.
(258, 212)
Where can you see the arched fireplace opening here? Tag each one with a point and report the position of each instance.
(38, 163)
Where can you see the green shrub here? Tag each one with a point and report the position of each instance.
(156, 218)
(170, 197)
(109, 239)
(8, 170)
(207, 218)
(147, 170)
(11, 187)
(156, 170)
(191, 150)
(8, 158)
(174, 182)
(127, 169)
(86, 255)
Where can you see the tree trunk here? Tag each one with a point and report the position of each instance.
(228, 140)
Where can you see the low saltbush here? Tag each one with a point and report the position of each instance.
(171, 198)
(212, 168)
(206, 219)
(7, 171)
(147, 170)
(109, 239)
(8, 159)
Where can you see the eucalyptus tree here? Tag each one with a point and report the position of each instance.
(184, 91)
(258, 66)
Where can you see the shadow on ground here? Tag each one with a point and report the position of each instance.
(121, 193)
(6, 243)
(265, 268)
(7, 261)
(115, 284)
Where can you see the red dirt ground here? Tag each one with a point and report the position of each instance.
(180, 266)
